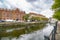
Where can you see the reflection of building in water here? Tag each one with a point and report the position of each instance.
(7, 14)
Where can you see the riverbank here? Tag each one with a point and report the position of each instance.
(24, 28)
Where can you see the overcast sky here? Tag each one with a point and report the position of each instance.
(38, 6)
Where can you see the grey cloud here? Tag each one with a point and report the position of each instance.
(37, 5)
(31, 0)
(45, 4)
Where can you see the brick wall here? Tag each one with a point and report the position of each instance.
(11, 14)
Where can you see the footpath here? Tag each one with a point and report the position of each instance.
(58, 32)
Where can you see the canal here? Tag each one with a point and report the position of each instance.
(36, 35)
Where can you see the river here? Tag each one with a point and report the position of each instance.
(36, 35)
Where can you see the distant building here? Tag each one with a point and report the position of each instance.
(16, 14)
(36, 15)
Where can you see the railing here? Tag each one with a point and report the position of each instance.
(52, 34)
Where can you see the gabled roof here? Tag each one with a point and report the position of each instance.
(32, 13)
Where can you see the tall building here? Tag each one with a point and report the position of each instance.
(16, 14)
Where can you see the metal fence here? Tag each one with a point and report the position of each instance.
(53, 33)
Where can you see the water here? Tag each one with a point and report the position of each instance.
(48, 29)
(33, 36)
(37, 35)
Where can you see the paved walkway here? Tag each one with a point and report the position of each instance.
(58, 32)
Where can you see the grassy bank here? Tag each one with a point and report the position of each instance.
(28, 28)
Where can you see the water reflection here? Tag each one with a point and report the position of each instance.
(48, 29)
(37, 35)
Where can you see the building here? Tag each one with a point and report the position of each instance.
(7, 14)
(36, 15)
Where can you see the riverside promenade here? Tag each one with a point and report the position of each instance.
(58, 32)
